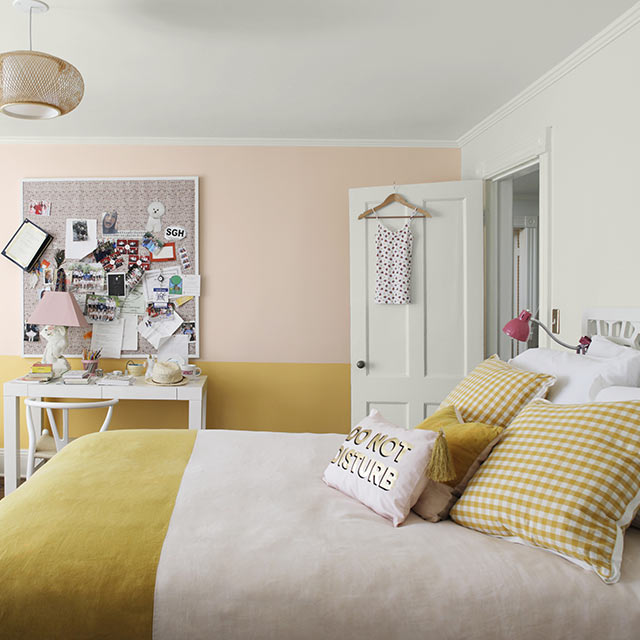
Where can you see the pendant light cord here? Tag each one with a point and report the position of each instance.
(30, 41)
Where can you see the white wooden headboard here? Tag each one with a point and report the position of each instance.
(619, 324)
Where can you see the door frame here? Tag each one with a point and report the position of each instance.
(520, 158)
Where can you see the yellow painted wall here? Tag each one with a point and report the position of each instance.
(241, 395)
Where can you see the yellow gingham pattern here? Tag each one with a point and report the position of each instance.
(495, 392)
(565, 478)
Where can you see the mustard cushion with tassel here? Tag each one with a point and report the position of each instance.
(469, 444)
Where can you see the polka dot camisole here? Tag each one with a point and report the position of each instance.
(393, 264)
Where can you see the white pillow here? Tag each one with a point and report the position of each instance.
(383, 466)
(618, 394)
(580, 378)
(602, 347)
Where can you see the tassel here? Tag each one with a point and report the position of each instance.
(441, 467)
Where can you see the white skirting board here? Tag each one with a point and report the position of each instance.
(23, 462)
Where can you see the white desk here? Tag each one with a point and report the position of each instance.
(195, 393)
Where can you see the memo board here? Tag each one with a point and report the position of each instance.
(88, 199)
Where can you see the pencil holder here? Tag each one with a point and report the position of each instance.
(90, 365)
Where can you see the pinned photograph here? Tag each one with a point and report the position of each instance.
(151, 243)
(115, 284)
(39, 208)
(189, 329)
(127, 247)
(47, 275)
(111, 262)
(81, 238)
(109, 222)
(103, 250)
(100, 308)
(80, 231)
(140, 261)
(85, 276)
(31, 333)
(175, 285)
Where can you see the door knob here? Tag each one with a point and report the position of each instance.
(360, 364)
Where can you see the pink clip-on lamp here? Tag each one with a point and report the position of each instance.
(519, 329)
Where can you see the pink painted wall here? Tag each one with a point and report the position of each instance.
(274, 236)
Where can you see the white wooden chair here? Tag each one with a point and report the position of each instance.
(47, 445)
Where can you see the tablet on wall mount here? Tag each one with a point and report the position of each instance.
(27, 245)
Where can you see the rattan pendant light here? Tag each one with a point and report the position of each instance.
(36, 85)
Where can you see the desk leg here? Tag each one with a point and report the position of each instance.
(195, 414)
(11, 443)
(204, 409)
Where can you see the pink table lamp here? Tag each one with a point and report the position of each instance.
(57, 310)
(520, 327)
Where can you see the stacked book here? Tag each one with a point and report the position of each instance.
(76, 376)
(111, 380)
(39, 373)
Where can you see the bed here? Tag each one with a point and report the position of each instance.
(171, 534)
(257, 546)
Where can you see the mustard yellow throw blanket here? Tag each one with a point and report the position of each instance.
(84, 537)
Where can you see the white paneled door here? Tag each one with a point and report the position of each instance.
(406, 358)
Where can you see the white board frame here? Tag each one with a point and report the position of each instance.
(196, 209)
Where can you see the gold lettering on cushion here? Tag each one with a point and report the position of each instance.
(362, 436)
(376, 473)
(366, 465)
(376, 442)
(357, 457)
(353, 434)
(346, 460)
(405, 446)
(388, 479)
(384, 449)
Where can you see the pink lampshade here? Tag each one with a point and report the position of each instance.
(58, 308)
(518, 328)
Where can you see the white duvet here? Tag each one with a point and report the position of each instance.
(259, 547)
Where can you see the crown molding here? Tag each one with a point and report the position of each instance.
(231, 142)
(610, 33)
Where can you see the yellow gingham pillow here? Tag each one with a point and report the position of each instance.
(565, 478)
(495, 392)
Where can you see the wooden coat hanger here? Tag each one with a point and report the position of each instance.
(396, 197)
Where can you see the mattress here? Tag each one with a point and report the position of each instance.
(248, 542)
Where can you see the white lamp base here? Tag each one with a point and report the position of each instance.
(56, 345)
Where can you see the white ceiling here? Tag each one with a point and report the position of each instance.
(327, 69)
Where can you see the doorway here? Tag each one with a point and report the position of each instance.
(512, 267)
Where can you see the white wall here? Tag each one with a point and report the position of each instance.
(594, 112)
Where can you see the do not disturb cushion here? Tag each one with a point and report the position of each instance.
(383, 466)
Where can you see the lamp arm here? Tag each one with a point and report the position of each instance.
(564, 344)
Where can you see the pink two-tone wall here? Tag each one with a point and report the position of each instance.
(274, 256)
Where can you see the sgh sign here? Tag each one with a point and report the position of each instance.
(175, 233)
